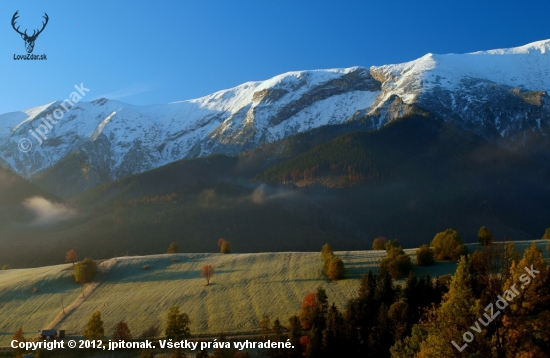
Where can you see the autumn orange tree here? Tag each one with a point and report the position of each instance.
(314, 308)
(71, 256)
(333, 266)
(207, 272)
(527, 319)
(307, 312)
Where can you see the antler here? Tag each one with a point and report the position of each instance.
(34, 33)
(13, 19)
(43, 24)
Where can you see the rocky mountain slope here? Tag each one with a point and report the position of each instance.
(501, 95)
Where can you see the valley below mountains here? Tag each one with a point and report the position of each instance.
(290, 163)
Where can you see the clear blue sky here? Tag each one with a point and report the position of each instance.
(161, 51)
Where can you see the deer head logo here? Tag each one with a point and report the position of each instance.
(29, 40)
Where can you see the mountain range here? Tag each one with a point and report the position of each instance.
(287, 164)
(500, 95)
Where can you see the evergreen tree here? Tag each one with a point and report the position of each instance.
(177, 324)
(321, 309)
(334, 333)
(94, 329)
(277, 336)
(385, 291)
(381, 339)
(367, 288)
(457, 313)
(315, 346)
(294, 335)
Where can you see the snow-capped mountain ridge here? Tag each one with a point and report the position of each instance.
(497, 94)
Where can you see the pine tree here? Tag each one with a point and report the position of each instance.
(333, 335)
(277, 336)
(367, 288)
(321, 309)
(294, 335)
(457, 313)
(381, 339)
(315, 346)
(94, 329)
(385, 291)
(177, 325)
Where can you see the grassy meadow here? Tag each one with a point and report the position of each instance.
(243, 288)
(20, 307)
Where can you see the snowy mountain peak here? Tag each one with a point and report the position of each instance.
(496, 93)
(538, 46)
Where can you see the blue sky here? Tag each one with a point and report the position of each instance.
(162, 51)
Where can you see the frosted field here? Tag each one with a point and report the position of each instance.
(244, 287)
(19, 307)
